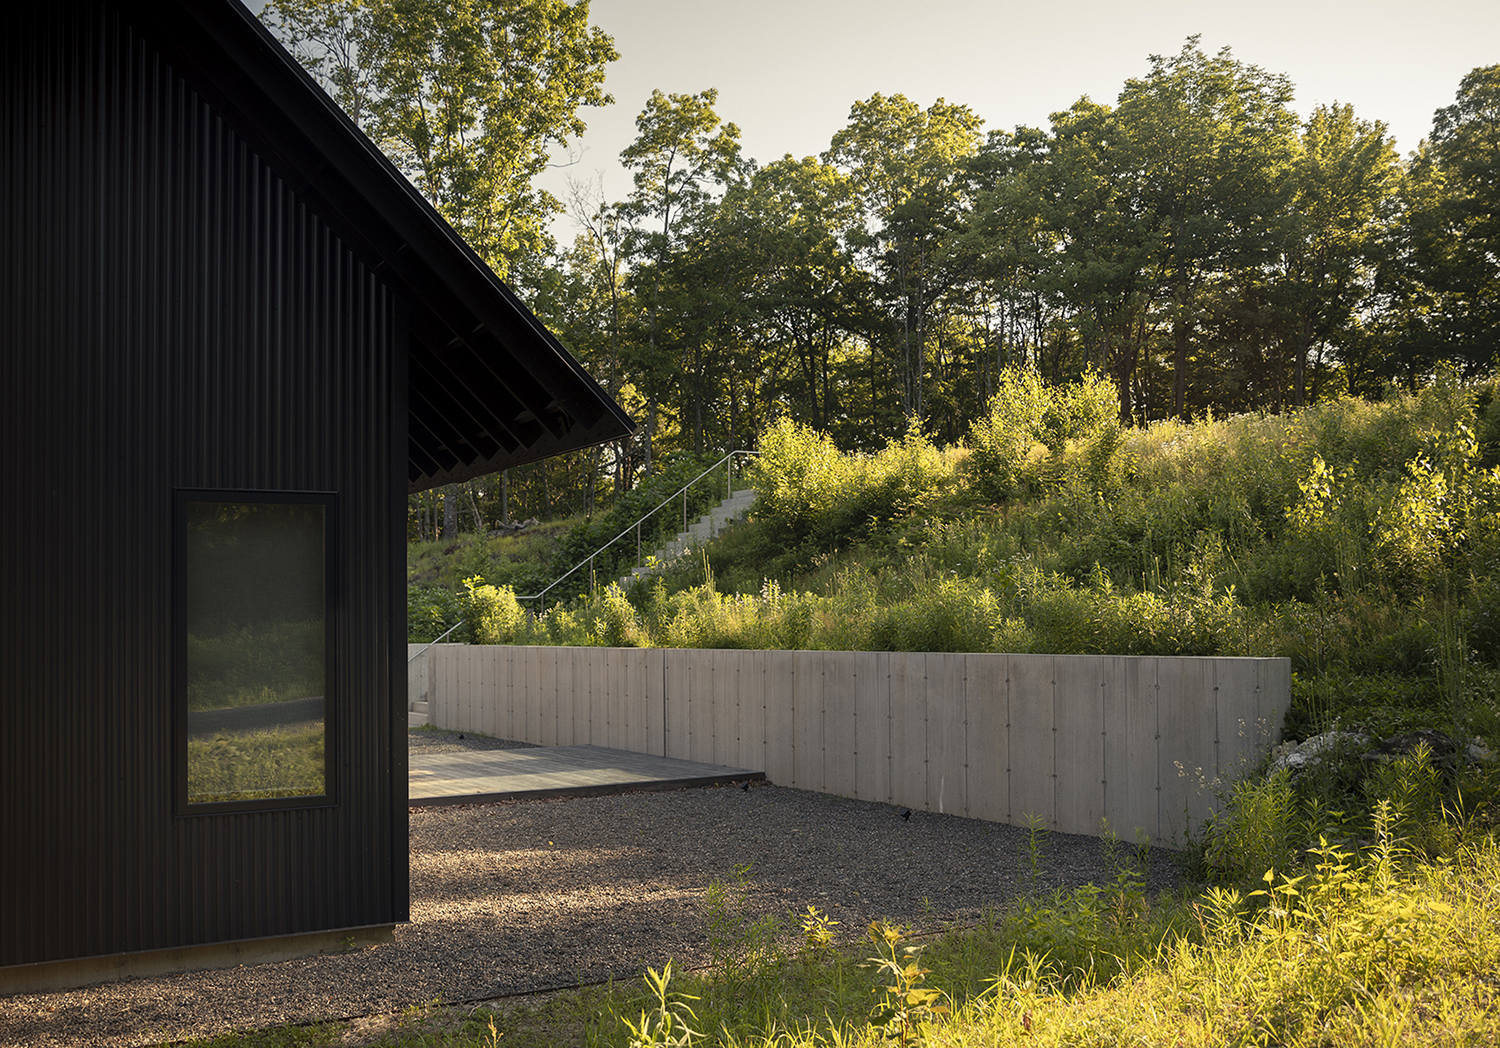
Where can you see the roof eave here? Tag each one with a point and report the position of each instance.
(453, 297)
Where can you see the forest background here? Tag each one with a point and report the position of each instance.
(1198, 242)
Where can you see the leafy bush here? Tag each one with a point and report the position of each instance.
(491, 614)
(1008, 442)
(951, 615)
(1255, 830)
(809, 494)
(430, 612)
(1021, 445)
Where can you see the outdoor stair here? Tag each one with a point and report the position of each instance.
(416, 714)
(712, 524)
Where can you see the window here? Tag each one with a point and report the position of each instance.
(254, 582)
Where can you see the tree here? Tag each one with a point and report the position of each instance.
(1452, 234)
(1004, 246)
(581, 301)
(681, 160)
(1210, 142)
(790, 222)
(904, 163)
(1107, 265)
(467, 97)
(1345, 172)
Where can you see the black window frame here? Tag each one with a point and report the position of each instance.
(181, 498)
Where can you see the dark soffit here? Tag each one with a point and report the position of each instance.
(488, 385)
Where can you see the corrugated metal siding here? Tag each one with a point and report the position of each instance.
(172, 316)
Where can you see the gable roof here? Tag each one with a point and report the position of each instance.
(488, 385)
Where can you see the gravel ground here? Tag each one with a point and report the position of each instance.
(530, 895)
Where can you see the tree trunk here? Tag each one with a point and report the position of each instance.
(650, 429)
(591, 475)
(1299, 364)
(1179, 363)
(450, 512)
(472, 492)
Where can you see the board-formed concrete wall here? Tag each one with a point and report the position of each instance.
(1069, 740)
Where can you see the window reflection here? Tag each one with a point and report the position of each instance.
(255, 618)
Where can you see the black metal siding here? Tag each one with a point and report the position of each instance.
(470, 332)
(172, 315)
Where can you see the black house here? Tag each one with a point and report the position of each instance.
(232, 340)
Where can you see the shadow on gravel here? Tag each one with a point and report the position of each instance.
(529, 895)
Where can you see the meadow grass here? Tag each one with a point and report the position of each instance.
(447, 562)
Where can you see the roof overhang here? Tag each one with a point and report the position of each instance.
(488, 386)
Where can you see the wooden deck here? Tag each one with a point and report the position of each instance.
(554, 771)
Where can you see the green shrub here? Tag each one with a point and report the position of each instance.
(810, 494)
(1153, 624)
(430, 612)
(491, 614)
(615, 623)
(1036, 436)
(1254, 830)
(799, 478)
(1007, 443)
(951, 615)
(1381, 704)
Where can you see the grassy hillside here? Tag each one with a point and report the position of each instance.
(1361, 540)
(506, 559)
(435, 571)
(441, 575)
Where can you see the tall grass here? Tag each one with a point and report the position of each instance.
(1361, 540)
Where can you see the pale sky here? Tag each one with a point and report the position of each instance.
(788, 70)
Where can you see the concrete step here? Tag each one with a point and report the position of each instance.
(704, 529)
(416, 720)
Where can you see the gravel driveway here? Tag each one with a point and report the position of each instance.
(529, 895)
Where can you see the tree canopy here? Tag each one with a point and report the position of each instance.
(467, 97)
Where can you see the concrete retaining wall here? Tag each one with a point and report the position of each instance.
(1067, 739)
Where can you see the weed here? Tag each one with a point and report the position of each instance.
(670, 1023)
(904, 999)
(747, 960)
(1126, 896)
(1036, 841)
(817, 932)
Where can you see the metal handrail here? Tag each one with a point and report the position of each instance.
(430, 643)
(589, 560)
